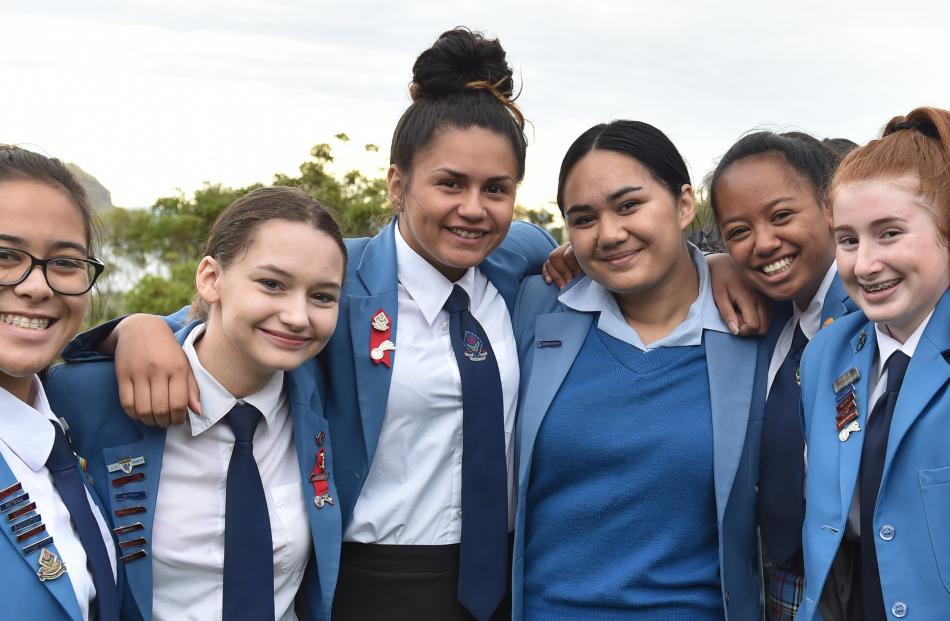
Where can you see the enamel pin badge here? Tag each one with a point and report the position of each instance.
(380, 339)
(320, 479)
(51, 567)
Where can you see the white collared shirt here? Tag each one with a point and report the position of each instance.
(886, 346)
(188, 531)
(26, 440)
(810, 320)
(589, 296)
(413, 493)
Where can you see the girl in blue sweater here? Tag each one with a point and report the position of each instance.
(636, 483)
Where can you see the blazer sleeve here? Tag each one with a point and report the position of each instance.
(531, 242)
(85, 346)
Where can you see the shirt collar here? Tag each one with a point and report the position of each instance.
(810, 318)
(216, 401)
(25, 428)
(589, 296)
(425, 284)
(887, 345)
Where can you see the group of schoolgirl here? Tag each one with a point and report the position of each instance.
(501, 448)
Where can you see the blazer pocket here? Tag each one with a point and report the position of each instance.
(935, 492)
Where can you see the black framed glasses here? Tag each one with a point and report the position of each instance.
(64, 275)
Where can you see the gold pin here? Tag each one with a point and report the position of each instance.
(828, 322)
(51, 567)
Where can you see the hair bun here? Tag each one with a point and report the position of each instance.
(458, 58)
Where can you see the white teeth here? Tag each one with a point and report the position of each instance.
(881, 286)
(30, 323)
(778, 266)
(466, 234)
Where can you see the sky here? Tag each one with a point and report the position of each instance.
(157, 96)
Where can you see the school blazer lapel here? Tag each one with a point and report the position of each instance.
(377, 274)
(60, 588)
(561, 336)
(863, 346)
(730, 364)
(138, 573)
(311, 434)
(927, 373)
(837, 303)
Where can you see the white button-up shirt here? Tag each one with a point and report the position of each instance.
(26, 440)
(188, 530)
(413, 493)
(810, 319)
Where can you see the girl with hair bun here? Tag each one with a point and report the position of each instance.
(226, 516)
(875, 387)
(420, 381)
(57, 558)
(769, 194)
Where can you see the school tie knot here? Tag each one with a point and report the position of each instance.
(61, 457)
(896, 369)
(799, 342)
(458, 300)
(243, 419)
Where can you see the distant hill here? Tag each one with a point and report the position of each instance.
(99, 196)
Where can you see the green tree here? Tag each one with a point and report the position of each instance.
(152, 253)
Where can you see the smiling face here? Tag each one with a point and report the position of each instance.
(35, 322)
(890, 255)
(273, 307)
(776, 231)
(456, 205)
(626, 227)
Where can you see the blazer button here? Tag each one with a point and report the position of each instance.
(899, 610)
(887, 532)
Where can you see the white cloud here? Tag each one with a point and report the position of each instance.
(150, 95)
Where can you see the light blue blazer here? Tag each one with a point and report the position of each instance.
(85, 394)
(731, 362)
(357, 388)
(912, 519)
(21, 588)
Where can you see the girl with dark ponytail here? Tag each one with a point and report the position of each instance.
(769, 194)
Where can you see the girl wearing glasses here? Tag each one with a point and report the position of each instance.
(57, 555)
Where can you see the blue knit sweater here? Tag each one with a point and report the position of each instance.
(621, 513)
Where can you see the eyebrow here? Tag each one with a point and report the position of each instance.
(460, 175)
(583, 207)
(57, 245)
(875, 223)
(772, 203)
(282, 272)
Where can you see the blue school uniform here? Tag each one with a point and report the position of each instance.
(87, 397)
(358, 389)
(912, 518)
(555, 341)
(783, 589)
(23, 590)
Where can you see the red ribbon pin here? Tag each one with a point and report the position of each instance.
(380, 339)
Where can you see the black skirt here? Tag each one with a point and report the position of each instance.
(403, 583)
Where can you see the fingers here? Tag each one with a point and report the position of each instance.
(746, 305)
(194, 398)
(177, 399)
(728, 312)
(561, 266)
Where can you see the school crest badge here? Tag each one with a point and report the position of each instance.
(474, 349)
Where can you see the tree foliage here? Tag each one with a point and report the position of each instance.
(152, 253)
